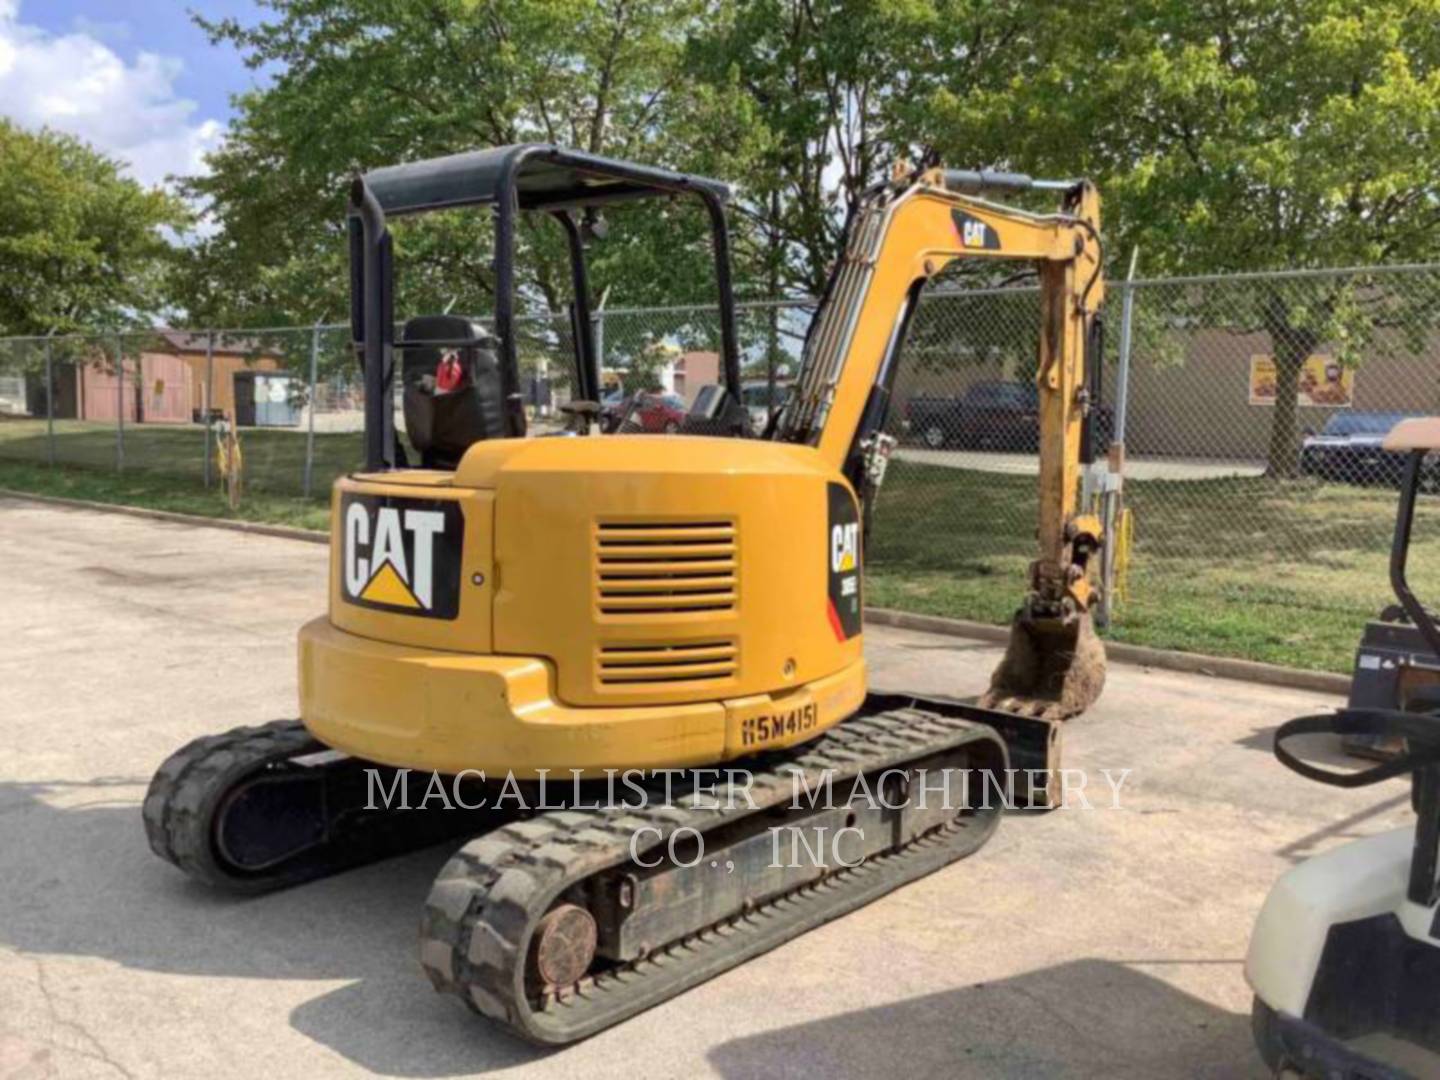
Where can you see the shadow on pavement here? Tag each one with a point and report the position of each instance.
(1327, 752)
(85, 883)
(1089, 1018)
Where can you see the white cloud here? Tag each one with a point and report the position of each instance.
(77, 84)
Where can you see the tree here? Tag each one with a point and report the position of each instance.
(831, 88)
(825, 91)
(804, 104)
(365, 83)
(1232, 135)
(81, 246)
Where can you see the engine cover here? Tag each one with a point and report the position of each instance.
(645, 569)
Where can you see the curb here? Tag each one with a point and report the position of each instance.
(284, 532)
(1220, 667)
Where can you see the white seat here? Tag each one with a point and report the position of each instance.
(1417, 433)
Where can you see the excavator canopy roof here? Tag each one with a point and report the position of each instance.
(544, 177)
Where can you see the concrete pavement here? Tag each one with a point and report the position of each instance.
(1105, 943)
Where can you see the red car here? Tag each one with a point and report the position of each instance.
(655, 412)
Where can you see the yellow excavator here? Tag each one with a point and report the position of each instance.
(667, 629)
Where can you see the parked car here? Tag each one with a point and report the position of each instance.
(613, 404)
(652, 411)
(1347, 450)
(755, 396)
(993, 415)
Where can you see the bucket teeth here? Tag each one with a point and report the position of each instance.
(1051, 670)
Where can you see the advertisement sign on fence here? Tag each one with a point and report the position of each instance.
(1323, 382)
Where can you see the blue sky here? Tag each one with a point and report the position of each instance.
(136, 78)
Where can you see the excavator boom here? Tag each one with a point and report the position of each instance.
(902, 235)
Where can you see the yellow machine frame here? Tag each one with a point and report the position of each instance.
(629, 604)
(517, 680)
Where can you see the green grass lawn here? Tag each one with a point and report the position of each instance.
(160, 491)
(1282, 572)
(1285, 572)
(164, 469)
(274, 457)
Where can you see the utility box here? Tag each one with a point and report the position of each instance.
(267, 399)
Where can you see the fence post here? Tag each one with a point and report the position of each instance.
(599, 317)
(119, 404)
(772, 345)
(209, 398)
(1115, 478)
(310, 429)
(50, 398)
(1127, 325)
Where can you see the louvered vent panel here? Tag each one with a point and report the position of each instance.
(643, 664)
(650, 569)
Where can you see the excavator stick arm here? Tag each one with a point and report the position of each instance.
(901, 236)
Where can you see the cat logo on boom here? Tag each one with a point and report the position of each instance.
(402, 555)
(842, 606)
(975, 235)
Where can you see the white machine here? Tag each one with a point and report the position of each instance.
(1345, 957)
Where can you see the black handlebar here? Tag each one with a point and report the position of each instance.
(1420, 730)
(1400, 552)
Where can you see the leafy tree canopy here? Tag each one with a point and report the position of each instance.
(1238, 135)
(1230, 135)
(364, 83)
(833, 92)
(801, 103)
(81, 245)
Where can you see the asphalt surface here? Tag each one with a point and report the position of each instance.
(1100, 943)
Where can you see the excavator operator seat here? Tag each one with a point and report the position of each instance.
(453, 392)
(716, 411)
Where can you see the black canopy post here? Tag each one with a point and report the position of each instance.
(506, 207)
(377, 343)
(729, 347)
(1400, 551)
(586, 359)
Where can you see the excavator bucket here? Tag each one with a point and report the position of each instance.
(1051, 670)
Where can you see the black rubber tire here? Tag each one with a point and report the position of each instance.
(934, 437)
(1267, 1036)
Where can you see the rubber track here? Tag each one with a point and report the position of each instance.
(486, 901)
(182, 794)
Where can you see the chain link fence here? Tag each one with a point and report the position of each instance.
(1263, 501)
(1260, 503)
(953, 530)
(1252, 407)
